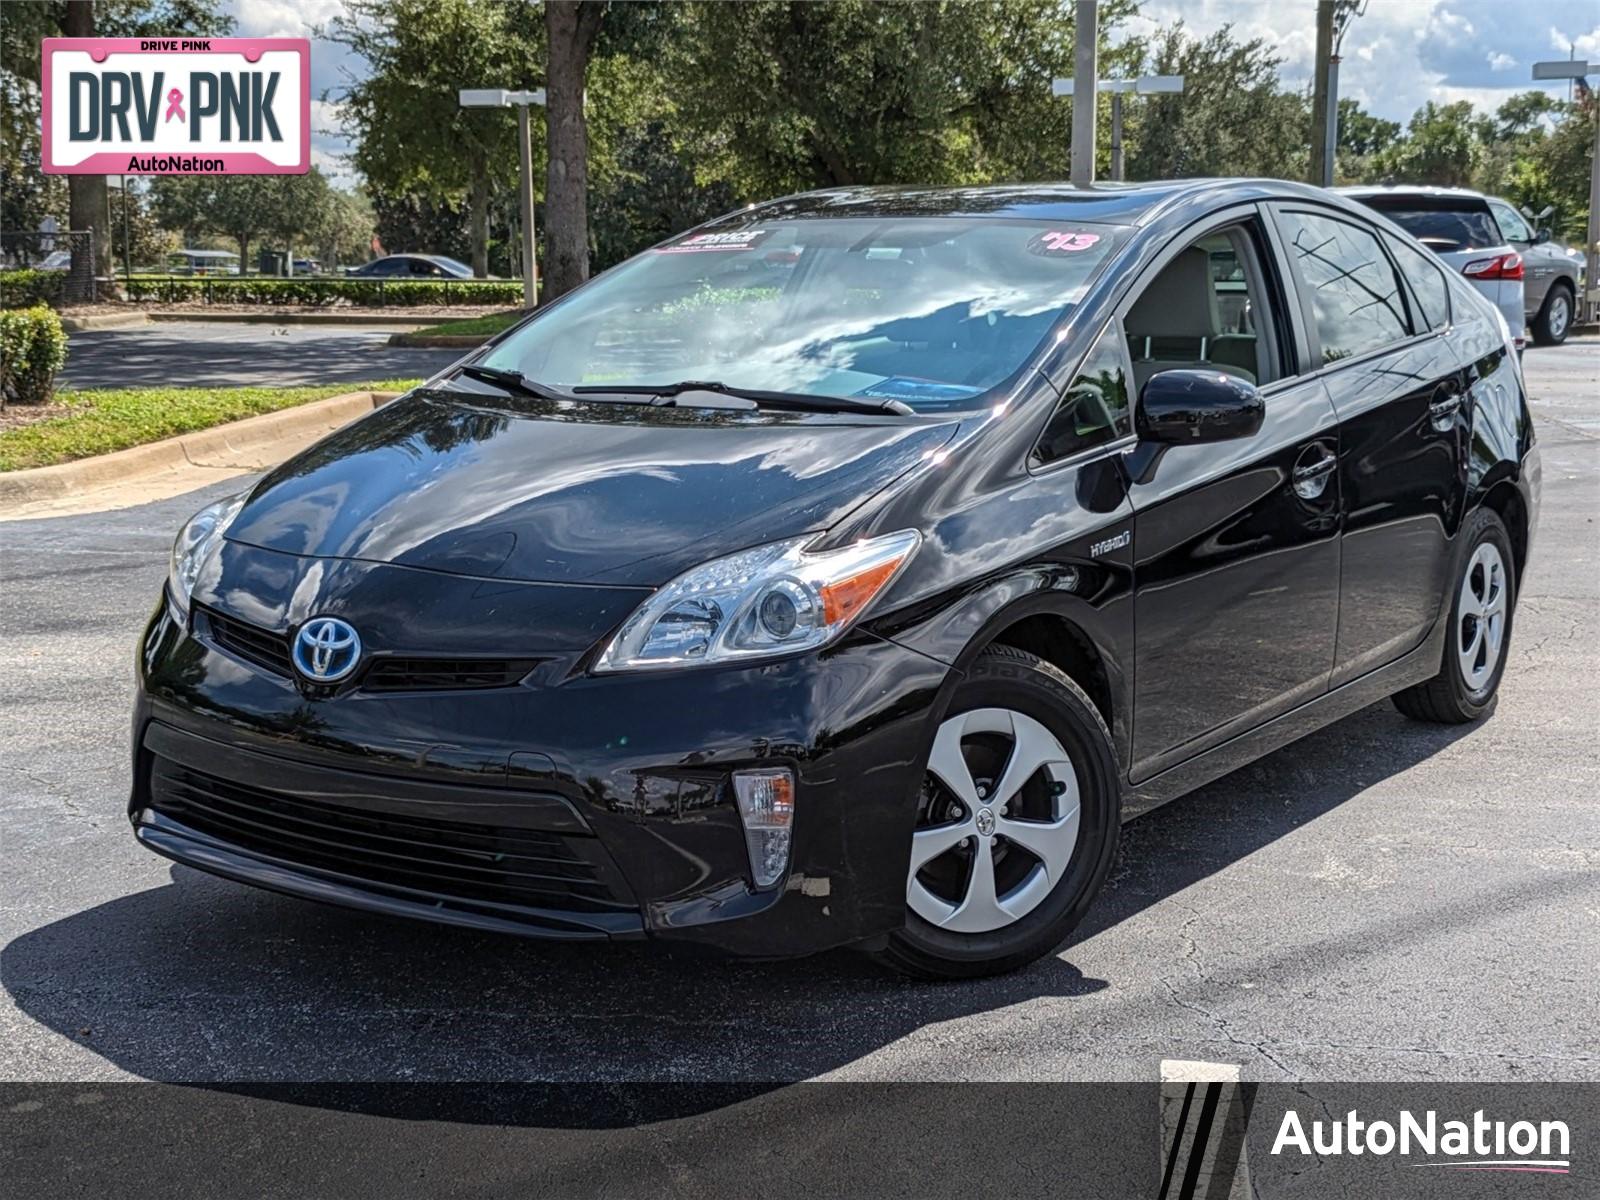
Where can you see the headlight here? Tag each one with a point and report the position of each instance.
(194, 545)
(758, 603)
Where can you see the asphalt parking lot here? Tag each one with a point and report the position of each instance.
(218, 354)
(1383, 900)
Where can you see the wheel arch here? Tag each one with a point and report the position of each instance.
(1087, 637)
(1505, 500)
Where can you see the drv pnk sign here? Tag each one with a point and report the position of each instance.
(177, 106)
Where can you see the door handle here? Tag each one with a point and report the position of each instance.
(1311, 480)
(1443, 409)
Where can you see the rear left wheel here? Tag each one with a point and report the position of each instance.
(1017, 823)
(1479, 633)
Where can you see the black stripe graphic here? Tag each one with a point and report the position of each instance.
(1177, 1141)
(1197, 1144)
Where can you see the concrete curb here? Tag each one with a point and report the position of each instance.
(105, 321)
(438, 341)
(252, 443)
(268, 317)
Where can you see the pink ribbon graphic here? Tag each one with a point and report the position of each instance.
(175, 105)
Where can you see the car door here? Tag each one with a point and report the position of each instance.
(1397, 382)
(1236, 552)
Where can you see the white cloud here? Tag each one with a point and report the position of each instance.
(1402, 53)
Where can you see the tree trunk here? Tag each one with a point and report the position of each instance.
(244, 254)
(86, 194)
(478, 201)
(570, 29)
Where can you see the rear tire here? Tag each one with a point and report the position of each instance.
(1554, 322)
(1022, 773)
(1478, 641)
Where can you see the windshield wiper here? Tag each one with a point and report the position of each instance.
(667, 393)
(512, 381)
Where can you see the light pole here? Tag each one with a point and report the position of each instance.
(1579, 71)
(1085, 36)
(1148, 85)
(522, 102)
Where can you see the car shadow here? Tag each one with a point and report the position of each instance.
(206, 982)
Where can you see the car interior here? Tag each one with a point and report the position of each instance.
(1199, 312)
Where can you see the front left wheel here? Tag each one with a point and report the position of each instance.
(1017, 822)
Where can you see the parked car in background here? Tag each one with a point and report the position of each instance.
(56, 260)
(1551, 272)
(861, 605)
(203, 262)
(411, 266)
(1460, 228)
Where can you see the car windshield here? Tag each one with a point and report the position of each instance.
(1445, 223)
(928, 311)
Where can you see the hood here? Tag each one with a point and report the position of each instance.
(574, 492)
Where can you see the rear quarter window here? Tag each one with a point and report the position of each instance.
(1429, 287)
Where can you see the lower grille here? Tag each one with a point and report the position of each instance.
(443, 674)
(519, 867)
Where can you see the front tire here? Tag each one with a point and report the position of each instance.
(1479, 637)
(1017, 825)
(1554, 322)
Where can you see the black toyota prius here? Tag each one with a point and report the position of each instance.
(847, 569)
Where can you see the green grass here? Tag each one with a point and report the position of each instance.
(102, 421)
(488, 325)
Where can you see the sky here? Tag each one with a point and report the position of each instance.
(1398, 55)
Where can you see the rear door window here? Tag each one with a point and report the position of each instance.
(1355, 294)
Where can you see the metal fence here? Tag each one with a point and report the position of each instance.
(71, 252)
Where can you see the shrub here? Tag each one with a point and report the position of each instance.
(33, 347)
(320, 291)
(26, 287)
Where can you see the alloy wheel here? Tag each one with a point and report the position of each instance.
(1560, 313)
(998, 822)
(1481, 622)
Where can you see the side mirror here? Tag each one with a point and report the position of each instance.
(1541, 235)
(1187, 407)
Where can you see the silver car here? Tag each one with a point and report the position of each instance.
(1461, 229)
(1551, 272)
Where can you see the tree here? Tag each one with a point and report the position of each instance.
(345, 232)
(1442, 147)
(405, 113)
(1230, 119)
(571, 27)
(789, 95)
(280, 210)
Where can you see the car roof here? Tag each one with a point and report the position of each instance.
(1110, 203)
(1362, 191)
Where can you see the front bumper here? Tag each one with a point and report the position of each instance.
(565, 806)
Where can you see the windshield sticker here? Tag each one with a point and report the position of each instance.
(904, 387)
(700, 243)
(1056, 242)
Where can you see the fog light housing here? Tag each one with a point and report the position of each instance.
(766, 807)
